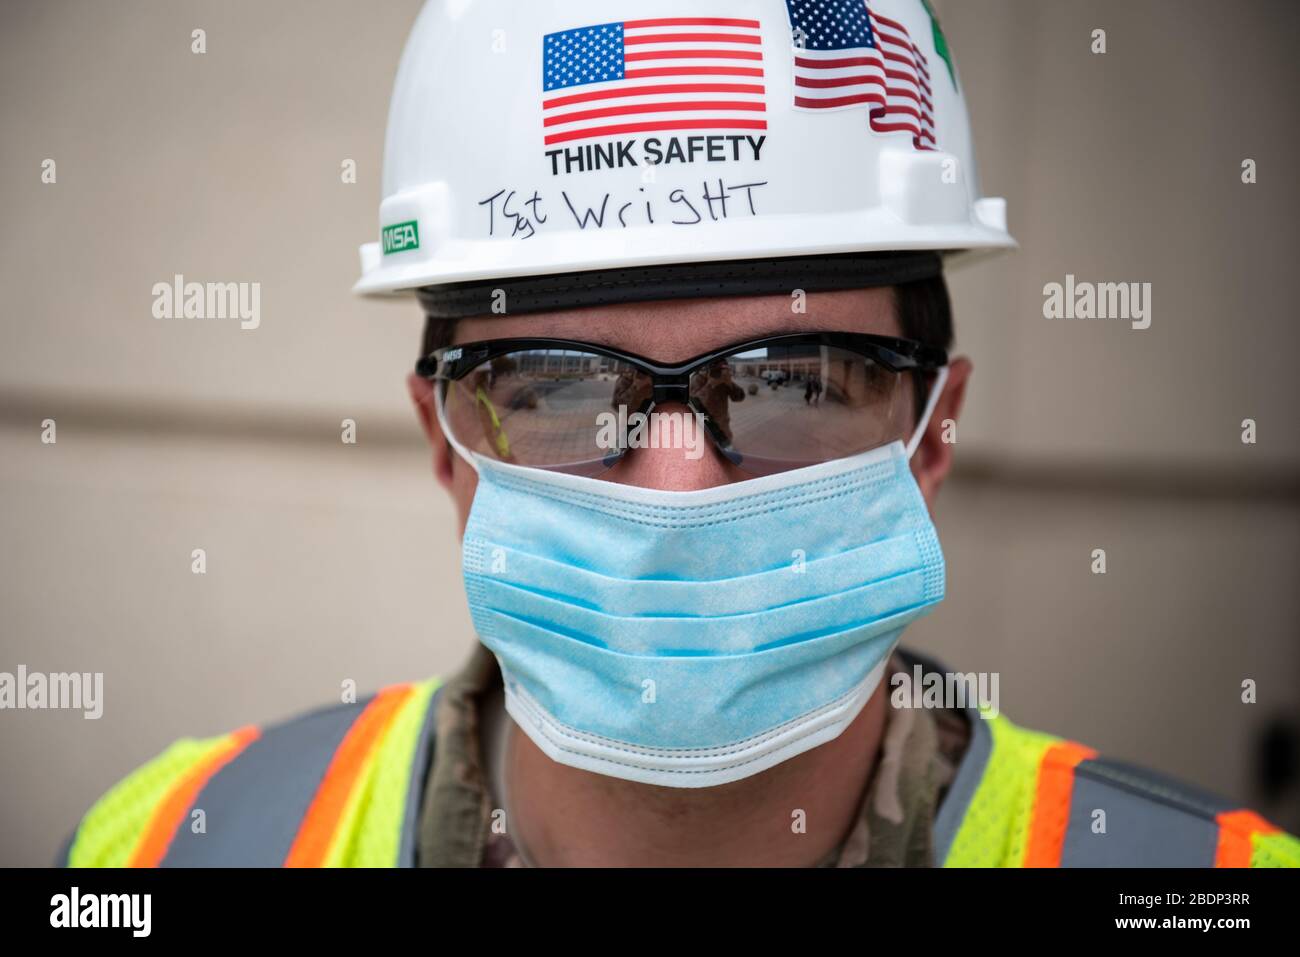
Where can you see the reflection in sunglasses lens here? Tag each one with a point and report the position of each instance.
(768, 409)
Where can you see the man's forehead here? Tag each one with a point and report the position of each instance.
(676, 329)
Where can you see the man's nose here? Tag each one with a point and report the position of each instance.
(673, 466)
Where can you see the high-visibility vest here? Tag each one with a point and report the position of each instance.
(342, 786)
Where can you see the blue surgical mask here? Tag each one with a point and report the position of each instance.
(689, 639)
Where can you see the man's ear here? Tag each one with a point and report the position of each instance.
(421, 390)
(933, 457)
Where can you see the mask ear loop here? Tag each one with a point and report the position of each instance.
(463, 452)
(935, 391)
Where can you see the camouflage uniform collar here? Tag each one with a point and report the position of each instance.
(893, 827)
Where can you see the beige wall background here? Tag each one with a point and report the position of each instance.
(329, 562)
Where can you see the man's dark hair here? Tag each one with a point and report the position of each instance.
(925, 311)
(924, 314)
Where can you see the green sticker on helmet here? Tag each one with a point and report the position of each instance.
(940, 42)
(400, 237)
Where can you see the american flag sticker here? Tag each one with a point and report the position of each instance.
(845, 54)
(639, 76)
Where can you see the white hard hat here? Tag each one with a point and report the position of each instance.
(539, 138)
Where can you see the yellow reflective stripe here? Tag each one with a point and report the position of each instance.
(502, 440)
(481, 395)
(113, 827)
(1275, 849)
(369, 832)
(995, 828)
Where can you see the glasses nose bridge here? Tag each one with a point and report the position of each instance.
(676, 387)
(671, 387)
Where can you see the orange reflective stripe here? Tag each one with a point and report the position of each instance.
(169, 813)
(1236, 832)
(316, 832)
(1051, 814)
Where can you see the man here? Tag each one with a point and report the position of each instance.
(612, 821)
(715, 390)
(683, 659)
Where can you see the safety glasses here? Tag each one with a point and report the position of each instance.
(768, 404)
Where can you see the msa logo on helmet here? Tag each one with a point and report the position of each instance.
(400, 237)
(647, 76)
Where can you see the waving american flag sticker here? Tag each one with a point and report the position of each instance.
(846, 55)
(651, 76)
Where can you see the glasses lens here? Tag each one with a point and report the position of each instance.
(768, 409)
(545, 408)
(782, 407)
